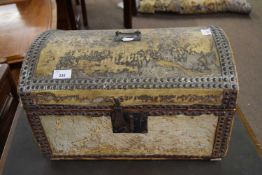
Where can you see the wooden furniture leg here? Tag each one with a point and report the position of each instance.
(65, 15)
(127, 13)
(8, 103)
(134, 9)
(84, 13)
(71, 14)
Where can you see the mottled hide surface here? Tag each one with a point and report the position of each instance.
(161, 53)
(142, 67)
(167, 135)
(194, 6)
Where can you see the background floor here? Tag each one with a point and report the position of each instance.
(244, 32)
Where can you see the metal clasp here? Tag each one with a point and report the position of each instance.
(127, 122)
(127, 37)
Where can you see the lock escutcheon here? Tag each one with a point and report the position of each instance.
(124, 121)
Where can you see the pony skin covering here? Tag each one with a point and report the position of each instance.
(194, 6)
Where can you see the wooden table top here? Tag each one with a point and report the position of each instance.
(20, 23)
(10, 1)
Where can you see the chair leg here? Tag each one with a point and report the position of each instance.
(71, 14)
(77, 2)
(84, 13)
(127, 14)
(134, 9)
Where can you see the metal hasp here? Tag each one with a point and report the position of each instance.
(127, 122)
(126, 37)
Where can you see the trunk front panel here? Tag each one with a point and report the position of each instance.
(167, 135)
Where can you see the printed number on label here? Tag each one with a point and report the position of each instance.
(62, 74)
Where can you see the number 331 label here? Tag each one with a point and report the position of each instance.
(62, 74)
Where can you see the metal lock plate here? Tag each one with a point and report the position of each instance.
(128, 122)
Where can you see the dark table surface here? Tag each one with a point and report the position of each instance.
(24, 158)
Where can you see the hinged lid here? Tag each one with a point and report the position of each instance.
(158, 67)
